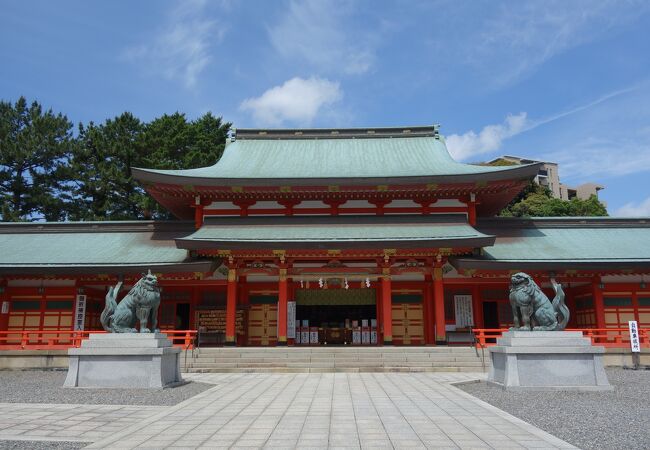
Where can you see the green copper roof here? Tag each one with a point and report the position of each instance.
(564, 242)
(98, 246)
(303, 156)
(335, 232)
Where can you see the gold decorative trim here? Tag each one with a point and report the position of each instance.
(333, 188)
(432, 187)
(237, 188)
(232, 274)
(382, 187)
(285, 188)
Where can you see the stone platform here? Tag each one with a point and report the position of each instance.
(124, 360)
(547, 360)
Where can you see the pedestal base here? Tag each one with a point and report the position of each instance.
(547, 360)
(124, 360)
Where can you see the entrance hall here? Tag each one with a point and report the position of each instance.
(339, 316)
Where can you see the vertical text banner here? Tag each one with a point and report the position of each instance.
(635, 343)
(464, 312)
(80, 313)
(291, 320)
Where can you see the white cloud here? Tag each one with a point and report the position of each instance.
(320, 33)
(596, 151)
(632, 209)
(603, 157)
(517, 37)
(297, 101)
(181, 50)
(488, 139)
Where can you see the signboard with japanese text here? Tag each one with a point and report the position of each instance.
(80, 313)
(635, 343)
(291, 320)
(464, 312)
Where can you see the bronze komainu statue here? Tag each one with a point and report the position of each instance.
(140, 304)
(531, 309)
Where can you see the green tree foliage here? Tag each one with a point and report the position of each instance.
(46, 172)
(103, 188)
(106, 153)
(35, 147)
(537, 201)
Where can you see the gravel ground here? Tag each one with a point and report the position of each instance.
(618, 419)
(35, 386)
(41, 445)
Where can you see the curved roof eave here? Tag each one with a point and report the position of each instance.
(176, 177)
(113, 269)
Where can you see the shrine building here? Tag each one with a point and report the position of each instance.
(365, 236)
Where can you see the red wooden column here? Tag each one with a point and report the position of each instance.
(599, 304)
(471, 209)
(283, 291)
(477, 306)
(439, 305)
(387, 306)
(4, 318)
(231, 307)
(429, 312)
(380, 315)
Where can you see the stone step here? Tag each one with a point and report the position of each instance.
(342, 349)
(329, 369)
(331, 363)
(341, 359)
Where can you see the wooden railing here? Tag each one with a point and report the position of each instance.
(604, 337)
(64, 339)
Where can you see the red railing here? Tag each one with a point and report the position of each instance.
(64, 339)
(604, 337)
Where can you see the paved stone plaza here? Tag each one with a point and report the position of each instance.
(329, 410)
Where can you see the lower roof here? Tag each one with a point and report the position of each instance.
(327, 232)
(95, 247)
(563, 243)
(507, 243)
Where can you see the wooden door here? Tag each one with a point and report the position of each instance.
(263, 324)
(408, 324)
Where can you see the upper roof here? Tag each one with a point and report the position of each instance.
(95, 247)
(356, 155)
(327, 232)
(563, 243)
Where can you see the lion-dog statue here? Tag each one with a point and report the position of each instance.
(140, 304)
(531, 309)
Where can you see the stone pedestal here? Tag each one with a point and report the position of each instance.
(547, 360)
(124, 360)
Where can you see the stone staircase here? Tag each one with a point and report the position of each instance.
(335, 359)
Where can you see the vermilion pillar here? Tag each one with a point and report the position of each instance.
(599, 305)
(477, 306)
(380, 314)
(231, 307)
(282, 307)
(471, 211)
(4, 317)
(429, 312)
(386, 306)
(439, 305)
(198, 216)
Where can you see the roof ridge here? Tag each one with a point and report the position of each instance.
(334, 133)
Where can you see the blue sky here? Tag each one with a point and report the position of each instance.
(564, 81)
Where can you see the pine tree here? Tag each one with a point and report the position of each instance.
(35, 147)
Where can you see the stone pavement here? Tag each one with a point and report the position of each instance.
(309, 410)
(71, 423)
